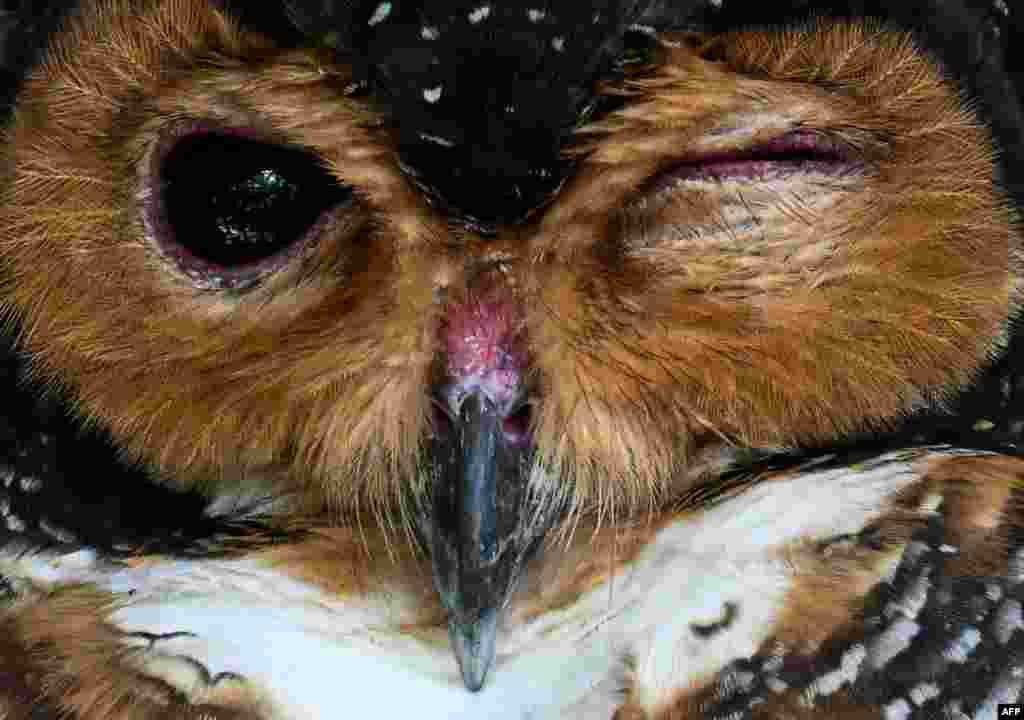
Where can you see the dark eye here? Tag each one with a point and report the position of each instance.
(229, 207)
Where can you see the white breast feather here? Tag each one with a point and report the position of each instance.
(314, 657)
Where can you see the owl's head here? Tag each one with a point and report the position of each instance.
(491, 268)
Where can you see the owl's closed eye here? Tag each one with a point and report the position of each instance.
(467, 358)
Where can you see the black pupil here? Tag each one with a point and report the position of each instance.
(232, 201)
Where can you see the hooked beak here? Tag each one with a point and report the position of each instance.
(484, 521)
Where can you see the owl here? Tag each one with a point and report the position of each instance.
(646, 359)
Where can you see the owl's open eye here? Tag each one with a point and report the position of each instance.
(227, 208)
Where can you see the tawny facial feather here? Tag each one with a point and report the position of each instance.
(736, 362)
(645, 350)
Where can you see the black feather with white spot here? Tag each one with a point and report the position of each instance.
(483, 95)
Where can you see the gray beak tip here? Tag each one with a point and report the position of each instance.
(474, 646)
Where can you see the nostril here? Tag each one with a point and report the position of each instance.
(516, 426)
(443, 422)
(509, 416)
